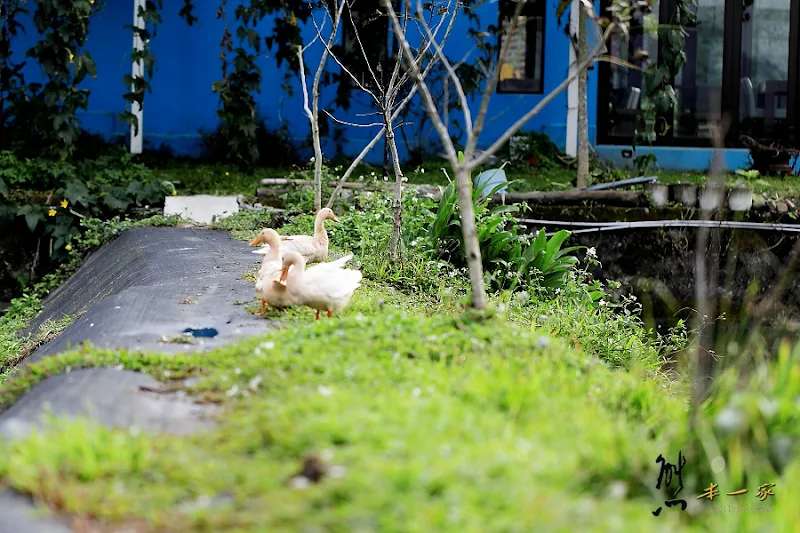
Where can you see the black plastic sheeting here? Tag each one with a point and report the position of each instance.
(149, 284)
(157, 282)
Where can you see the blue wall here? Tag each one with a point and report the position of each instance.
(187, 63)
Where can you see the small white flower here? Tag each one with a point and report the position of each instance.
(422, 171)
(268, 345)
(325, 391)
(386, 178)
(255, 382)
(372, 173)
(602, 303)
(414, 243)
(591, 252)
(299, 482)
(233, 391)
(337, 471)
(542, 342)
(313, 159)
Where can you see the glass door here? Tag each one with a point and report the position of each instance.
(742, 67)
(699, 83)
(764, 68)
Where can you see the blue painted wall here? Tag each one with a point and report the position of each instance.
(187, 63)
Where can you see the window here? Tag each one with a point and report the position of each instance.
(523, 68)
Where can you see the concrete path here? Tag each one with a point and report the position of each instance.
(147, 284)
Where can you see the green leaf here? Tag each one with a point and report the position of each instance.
(77, 193)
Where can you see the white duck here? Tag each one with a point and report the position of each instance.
(314, 249)
(324, 287)
(267, 288)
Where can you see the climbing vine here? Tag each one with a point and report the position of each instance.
(187, 12)
(237, 112)
(12, 82)
(236, 89)
(138, 85)
(660, 100)
(51, 106)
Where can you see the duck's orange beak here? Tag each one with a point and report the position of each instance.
(284, 273)
(258, 240)
(335, 218)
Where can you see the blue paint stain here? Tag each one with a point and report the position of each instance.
(203, 332)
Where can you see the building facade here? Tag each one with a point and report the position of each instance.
(741, 62)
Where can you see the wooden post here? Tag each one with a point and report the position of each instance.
(137, 71)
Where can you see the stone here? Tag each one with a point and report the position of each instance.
(202, 208)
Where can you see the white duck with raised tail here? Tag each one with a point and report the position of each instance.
(324, 287)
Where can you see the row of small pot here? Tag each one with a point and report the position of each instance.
(709, 197)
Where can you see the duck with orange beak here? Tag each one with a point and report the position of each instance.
(313, 248)
(324, 287)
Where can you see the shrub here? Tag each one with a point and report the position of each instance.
(273, 147)
(510, 259)
(42, 203)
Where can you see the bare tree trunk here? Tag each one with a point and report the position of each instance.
(470, 233)
(317, 146)
(317, 165)
(583, 122)
(707, 274)
(394, 250)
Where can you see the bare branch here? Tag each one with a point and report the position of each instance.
(450, 70)
(354, 124)
(347, 71)
(491, 83)
(535, 111)
(361, 46)
(354, 165)
(420, 83)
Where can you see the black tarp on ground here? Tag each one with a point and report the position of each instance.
(133, 292)
(148, 283)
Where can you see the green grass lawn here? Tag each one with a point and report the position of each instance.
(431, 420)
(540, 415)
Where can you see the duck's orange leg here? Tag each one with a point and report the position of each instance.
(330, 314)
(317, 315)
(263, 307)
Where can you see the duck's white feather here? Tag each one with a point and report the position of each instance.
(302, 244)
(327, 286)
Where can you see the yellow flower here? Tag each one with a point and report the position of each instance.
(227, 173)
(174, 192)
(51, 213)
(68, 247)
(71, 56)
(64, 204)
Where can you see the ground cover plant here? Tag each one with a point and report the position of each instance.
(427, 416)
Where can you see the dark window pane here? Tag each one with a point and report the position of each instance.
(699, 83)
(523, 68)
(763, 88)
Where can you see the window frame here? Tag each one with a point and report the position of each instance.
(533, 9)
